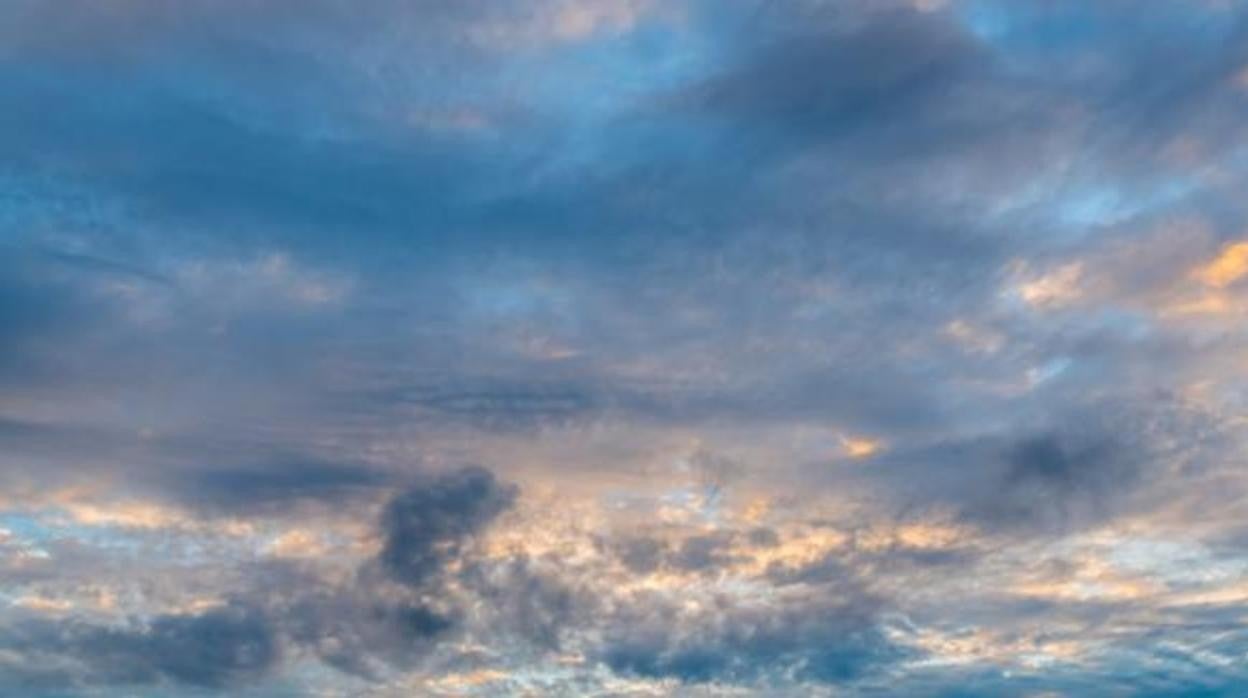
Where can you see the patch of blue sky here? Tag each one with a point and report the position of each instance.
(1047, 371)
(46, 528)
(1107, 204)
(1076, 210)
(40, 533)
(307, 678)
(704, 501)
(516, 299)
(1023, 25)
(1177, 562)
(27, 528)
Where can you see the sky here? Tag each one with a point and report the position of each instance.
(628, 348)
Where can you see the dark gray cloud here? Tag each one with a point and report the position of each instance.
(1052, 475)
(275, 485)
(362, 625)
(364, 630)
(216, 649)
(640, 555)
(825, 641)
(424, 530)
(702, 552)
(805, 81)
(427, 525)
(1080, 467)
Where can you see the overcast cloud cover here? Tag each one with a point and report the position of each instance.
(623, 348)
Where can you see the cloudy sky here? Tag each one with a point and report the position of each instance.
(623, 348)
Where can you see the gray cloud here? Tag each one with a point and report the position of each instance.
(361, 626)
(215, 649)
(825, 641)
(264, 263)
(275, 485)
(426, 526)
(532, 602)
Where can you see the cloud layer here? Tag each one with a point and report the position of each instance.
(623, 348)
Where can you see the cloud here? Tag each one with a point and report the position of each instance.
(1087, 464)
(361, 625)
(425, 527)
(274, 485)
(806, 86)
(216, 649)
(640, 555)
(424, 532)
(823, 641)
(701, 552)
(499, 405)
(532, 602)
(867, 346)
(1230, 264)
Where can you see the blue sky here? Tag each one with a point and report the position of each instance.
(623, 348)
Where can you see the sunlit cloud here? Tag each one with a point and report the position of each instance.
(1050, 289)
(1230, 264)
(860, 447)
